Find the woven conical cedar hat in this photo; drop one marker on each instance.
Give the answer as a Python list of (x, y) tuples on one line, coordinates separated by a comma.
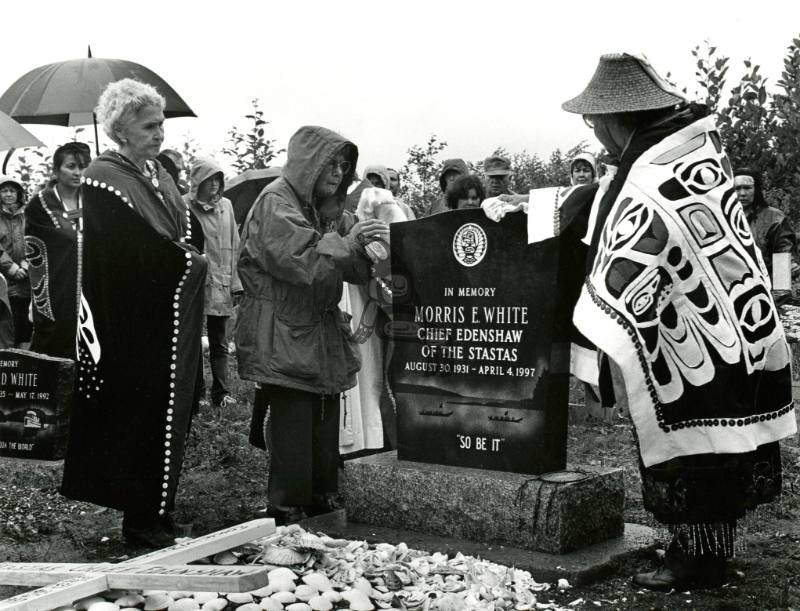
[(623, 83)]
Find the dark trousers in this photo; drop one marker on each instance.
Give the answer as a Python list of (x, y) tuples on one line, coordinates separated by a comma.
[(218, 356), (23, 328), (304, 445)]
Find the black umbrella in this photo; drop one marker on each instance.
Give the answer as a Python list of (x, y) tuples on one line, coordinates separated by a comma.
[(66, 93), (243, 189)]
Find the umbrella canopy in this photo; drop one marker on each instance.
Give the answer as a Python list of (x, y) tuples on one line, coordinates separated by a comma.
[(66, 93), (13, 135), (243, 189)]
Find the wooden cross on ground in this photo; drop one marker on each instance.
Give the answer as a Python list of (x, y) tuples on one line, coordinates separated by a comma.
[(162, 569)]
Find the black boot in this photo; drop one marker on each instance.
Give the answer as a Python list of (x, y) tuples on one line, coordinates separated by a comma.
[(323, 503), (286, 515), (682, 571), (145, 531), (677, 573)]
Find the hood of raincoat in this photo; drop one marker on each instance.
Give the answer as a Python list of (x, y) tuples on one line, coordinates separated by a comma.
[(203, 169), (458, 165), (5, 180), (310, 149), (381, 170), (588, 158)]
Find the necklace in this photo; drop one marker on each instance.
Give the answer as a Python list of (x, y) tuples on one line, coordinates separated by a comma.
[(73, 216)]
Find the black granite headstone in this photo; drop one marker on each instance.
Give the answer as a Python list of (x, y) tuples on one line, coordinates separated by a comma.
[(477, 379), (35, 404)]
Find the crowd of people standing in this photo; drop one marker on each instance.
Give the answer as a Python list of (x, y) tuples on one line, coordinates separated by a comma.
[(127, 263)]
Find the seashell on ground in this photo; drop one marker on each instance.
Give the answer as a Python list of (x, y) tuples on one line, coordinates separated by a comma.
[(218, 604), (204, 597), (320, 603), (362, 584), (357, 600), (184, 604), (239, 598), (305, 592), (298, 607), (319, 581), (103, 606), (262, 592), (268, 604), (310, 542), (285, 598), (84, 603), (332, 595), (281, 574), (113, 594), (130, 600), (283, 556), (282, 585), (225, 558), (157, 602)]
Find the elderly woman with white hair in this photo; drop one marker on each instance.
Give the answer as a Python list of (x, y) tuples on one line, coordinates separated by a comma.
[(140, 324)]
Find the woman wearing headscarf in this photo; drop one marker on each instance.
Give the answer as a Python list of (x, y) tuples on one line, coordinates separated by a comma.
[(583, 169), (140, 324), (53, 238), (770, 227), (677, 300)]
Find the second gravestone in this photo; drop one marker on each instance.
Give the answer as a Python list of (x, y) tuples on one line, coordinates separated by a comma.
[(35, 404)]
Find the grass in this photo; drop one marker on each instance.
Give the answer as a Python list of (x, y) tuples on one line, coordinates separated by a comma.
[(224, 481)]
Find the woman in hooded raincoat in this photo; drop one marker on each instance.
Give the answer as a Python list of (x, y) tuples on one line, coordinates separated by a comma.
[(223, 287), (13, 264), (298, 247)]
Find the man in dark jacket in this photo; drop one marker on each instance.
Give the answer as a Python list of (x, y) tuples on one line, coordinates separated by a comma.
[(497, 172), (298, 246)]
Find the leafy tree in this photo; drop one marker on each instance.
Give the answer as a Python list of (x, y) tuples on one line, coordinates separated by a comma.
[(531, 172), (419, 176), (189, 150), (251, 150), (759, 129), (32, 168)]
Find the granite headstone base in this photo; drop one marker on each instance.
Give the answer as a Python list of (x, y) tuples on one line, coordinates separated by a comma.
[(555, 513)]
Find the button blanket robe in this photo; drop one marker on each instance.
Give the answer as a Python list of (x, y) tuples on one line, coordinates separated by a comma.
[(139, 344), (677, 296)]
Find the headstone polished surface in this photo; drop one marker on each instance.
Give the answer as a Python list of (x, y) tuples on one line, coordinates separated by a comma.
[(555, 513), (480, 357), (35, 403)]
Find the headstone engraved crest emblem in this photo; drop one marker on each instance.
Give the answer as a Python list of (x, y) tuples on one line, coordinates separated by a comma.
[(469, 244)]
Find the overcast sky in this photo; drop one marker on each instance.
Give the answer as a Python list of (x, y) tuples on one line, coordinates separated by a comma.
[(388, 74)]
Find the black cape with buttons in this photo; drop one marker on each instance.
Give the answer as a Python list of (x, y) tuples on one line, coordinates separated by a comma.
[(139, 341)]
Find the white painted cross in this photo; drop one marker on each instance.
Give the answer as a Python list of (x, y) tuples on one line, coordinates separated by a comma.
[(162, 569)]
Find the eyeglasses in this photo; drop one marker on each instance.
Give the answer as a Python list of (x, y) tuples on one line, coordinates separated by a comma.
[(344, 166), (589, 121)]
